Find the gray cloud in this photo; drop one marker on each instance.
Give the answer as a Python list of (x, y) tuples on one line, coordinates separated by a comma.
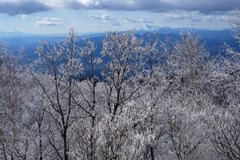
[(83, 4), (209, 6), (22, 7), (203, 6)]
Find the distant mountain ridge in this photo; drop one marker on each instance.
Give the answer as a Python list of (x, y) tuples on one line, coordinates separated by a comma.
[(22, 34), (213, 39), (204, 33), (225, 34)]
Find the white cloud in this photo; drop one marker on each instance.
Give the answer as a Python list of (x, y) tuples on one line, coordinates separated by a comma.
[(105, 18), (138, 20), (49, 21), (116, 21), (179, 16), (86, 2), (24, 16), (148, 27)]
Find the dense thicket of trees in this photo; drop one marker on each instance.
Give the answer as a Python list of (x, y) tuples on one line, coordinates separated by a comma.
[(135, 100)]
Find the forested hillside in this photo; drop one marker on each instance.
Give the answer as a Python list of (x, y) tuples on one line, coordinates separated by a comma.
[(151, 100)]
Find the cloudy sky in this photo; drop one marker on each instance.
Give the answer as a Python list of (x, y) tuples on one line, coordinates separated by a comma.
[(57, 16)]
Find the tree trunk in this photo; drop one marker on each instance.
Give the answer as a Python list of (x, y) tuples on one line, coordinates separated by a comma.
[(65, 145)]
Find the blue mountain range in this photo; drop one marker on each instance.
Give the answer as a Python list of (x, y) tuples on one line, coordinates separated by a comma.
[(212, 39)]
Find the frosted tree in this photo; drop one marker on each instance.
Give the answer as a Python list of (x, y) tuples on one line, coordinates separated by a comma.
[(188, 60), (86, 97), (36, 104), (62, 69), (121, 88), (152, 78), (16, 130), (122, 52), (236, 27), (187, 67), (222, 117)]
